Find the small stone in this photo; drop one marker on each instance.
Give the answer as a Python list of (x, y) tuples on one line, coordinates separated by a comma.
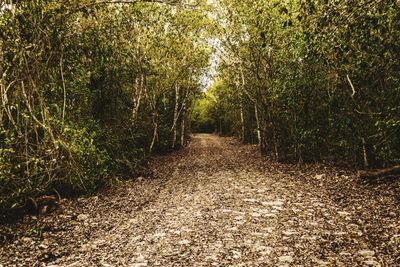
[(251, 200), (272, 203), (184, 242), (82, 217), (289, 232), (366, 253), (372, 263), (86, 247), (343, 213), (288, 259), (140, 261)]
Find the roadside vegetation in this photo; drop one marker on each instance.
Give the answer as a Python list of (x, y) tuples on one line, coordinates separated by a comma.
[(310, 80), (89, 89)]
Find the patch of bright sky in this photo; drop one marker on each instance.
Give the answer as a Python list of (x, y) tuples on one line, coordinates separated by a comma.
[(208, 78)]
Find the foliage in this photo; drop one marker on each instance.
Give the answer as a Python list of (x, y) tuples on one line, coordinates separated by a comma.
[(89, 89), (212, 112), (315, 79)]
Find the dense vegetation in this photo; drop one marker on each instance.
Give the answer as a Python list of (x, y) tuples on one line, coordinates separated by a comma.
[(90, 88), (312, 80)]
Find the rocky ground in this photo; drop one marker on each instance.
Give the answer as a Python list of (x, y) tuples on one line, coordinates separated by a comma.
[(217, 203)]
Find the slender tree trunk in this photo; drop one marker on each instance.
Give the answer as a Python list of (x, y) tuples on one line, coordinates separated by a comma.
[(275, 142), (2, 84), (137, 98), (139, 81), (183, 123), (258, 126), (153, 108), (63, 85), (155, 133), (176, 114), (365, 154), (183, 134), (274, 135), (243, 129), (243, 137)]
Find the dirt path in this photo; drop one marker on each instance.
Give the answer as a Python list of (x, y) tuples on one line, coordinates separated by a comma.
[(213, 204)]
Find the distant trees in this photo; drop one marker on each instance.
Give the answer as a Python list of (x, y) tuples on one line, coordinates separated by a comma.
[(314, 79), (214, 111), (89, 89)]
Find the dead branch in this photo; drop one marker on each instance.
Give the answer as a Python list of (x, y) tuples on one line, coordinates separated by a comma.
[(352, 87), (369, 174)]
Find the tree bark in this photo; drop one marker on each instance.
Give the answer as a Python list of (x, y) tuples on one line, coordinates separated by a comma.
[(136, 98), (176, 114), (2, 84), (183, 126), (365, 155), (153, 106), (395, 170), (155, 134), (242, 122), (63, 86), (259, 137)]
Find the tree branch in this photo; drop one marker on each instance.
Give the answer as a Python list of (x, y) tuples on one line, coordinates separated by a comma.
[(129, 2), (352, 87)]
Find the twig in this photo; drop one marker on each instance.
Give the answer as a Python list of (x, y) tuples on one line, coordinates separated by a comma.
[(63, 84), (352, 86)]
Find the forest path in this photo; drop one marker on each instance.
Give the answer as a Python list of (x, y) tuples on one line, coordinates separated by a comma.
[(213, 204)]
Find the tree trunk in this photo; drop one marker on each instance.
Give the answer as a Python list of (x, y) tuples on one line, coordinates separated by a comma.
[(2, 84), (365, 155), (243, 137), (136, 98), (176, 114), (379, 173), (63, 85), (153, 108), (259, 130), (243, 129), (183, 123), (155, 134), (275, 141), (274, 135)]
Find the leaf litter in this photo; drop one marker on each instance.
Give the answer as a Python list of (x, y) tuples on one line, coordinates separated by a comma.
[(218, 203)]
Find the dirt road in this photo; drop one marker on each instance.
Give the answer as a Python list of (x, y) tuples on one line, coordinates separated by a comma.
[(216, 203)]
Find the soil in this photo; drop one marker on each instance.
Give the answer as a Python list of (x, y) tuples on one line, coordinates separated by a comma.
[(218, 203)]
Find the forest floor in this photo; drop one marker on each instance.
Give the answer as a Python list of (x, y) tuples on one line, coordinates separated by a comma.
[(217, 203)]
